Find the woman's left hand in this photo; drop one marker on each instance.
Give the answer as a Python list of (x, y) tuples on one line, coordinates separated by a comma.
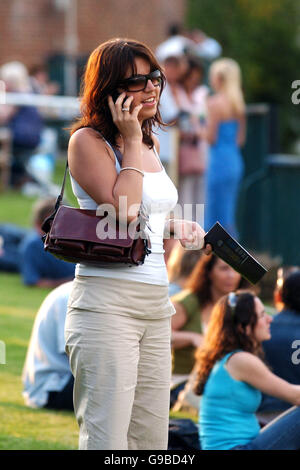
[(190, 235)]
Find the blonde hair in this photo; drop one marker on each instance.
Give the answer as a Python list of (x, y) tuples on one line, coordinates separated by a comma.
[(229, 72), (15, 75)]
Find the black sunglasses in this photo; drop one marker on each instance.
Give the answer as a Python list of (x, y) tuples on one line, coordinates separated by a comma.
[(139, 82)]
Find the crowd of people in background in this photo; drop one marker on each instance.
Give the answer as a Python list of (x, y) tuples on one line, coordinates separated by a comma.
[(209, 327), (221, 335), (202, 104), (33, 144), (204, 99), (199, 147)]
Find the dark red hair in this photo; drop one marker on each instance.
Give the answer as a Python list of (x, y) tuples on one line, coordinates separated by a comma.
[(106, 67)]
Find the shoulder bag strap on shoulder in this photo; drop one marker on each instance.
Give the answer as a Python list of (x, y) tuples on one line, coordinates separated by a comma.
[(118, 156)]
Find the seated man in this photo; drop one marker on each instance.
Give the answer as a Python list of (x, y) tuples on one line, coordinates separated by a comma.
[(11, 237), (282, 351), (47, 378), (39, 268)]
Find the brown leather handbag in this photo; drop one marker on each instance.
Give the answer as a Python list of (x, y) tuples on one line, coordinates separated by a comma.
[(71, 235)]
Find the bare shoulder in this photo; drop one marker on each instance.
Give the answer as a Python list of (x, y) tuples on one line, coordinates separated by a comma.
[(222, 103), (242, 358), (92, 164), (214, 104), (85, 138), (87, 144), (213, 101), (242, 365)]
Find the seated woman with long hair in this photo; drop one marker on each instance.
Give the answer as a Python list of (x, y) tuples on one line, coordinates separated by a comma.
[(231, 376), (210, 279)]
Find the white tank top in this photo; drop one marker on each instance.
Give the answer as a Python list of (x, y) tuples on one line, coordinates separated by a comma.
[(159, 198)]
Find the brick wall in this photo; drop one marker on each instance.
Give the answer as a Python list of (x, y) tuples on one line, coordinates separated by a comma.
[(31, 30)]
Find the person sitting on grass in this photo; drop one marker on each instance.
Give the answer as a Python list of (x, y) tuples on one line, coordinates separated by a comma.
[(37, 267), (210, 279), (47, 378), (231, 376), (283, 350)]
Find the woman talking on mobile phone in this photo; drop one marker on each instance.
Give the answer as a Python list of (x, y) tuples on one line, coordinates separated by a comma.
[(118, 319)]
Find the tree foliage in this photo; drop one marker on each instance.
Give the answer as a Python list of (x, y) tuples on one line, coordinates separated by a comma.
[(263, 36)]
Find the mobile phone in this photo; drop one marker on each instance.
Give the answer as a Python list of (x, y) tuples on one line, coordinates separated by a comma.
[(115, 95), (230, 251)]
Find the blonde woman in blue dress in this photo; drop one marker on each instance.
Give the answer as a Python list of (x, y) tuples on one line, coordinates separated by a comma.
[(225, 132)]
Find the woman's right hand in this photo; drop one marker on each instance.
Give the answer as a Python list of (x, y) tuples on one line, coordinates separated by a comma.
[(126, 121)]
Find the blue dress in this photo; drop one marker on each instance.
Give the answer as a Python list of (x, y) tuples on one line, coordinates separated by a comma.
[(223, 176)]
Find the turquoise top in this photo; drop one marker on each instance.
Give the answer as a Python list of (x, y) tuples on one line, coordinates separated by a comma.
[(227, 410)]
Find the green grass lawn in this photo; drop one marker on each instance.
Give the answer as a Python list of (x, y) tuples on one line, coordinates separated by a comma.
[(23, 428), (16, 208)]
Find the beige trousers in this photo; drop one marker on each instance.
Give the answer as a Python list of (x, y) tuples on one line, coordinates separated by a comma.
[(121, 363)]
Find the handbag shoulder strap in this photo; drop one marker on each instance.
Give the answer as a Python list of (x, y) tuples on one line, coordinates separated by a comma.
[(118, 157), (61, 194), (117, 153)]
